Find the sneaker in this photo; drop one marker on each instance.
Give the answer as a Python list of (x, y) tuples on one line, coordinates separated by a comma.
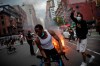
[(83, 64), (91, 59)]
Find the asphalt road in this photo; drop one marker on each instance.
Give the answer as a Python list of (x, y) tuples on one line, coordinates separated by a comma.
[(22, 55)]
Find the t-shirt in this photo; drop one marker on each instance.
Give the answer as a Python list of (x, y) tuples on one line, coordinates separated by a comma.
[(29, 36)]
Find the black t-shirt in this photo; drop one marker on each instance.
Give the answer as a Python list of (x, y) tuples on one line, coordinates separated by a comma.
[(29, 36), (81, 27)]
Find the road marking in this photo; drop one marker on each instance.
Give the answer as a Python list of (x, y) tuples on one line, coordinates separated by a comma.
[(37, 51), (94, 38), (95, 35), (87, 49), (94, 51)]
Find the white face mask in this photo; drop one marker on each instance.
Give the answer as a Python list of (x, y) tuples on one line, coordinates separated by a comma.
[(78, 18)]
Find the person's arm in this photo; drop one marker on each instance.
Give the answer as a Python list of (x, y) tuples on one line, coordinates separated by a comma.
[(57, 38), (40, 48), (72, 16)]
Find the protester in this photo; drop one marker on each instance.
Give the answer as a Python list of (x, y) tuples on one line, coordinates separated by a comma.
[(29, 38), (81, 32), (44, 43)]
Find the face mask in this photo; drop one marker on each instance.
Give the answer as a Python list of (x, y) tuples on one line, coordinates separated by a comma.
[(78, 18), (42, 34)]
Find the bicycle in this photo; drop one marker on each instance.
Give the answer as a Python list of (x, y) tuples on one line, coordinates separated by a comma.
[(11, 49), (42, 62)]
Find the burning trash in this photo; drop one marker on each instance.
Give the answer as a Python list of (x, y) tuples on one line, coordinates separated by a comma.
[(56, 42)]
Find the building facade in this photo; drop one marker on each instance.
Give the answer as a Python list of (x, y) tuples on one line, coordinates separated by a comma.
[(31, 16), (8, 20), (22, 19), (48, 17), (86, 7)]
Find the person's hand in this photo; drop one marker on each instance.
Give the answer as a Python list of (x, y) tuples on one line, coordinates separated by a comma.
[(79, 40)]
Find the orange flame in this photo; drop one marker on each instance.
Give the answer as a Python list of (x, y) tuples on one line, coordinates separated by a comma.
[(55, 43)]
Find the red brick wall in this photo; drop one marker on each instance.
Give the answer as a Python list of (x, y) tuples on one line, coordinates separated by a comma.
[(86, 10), (7, 22)]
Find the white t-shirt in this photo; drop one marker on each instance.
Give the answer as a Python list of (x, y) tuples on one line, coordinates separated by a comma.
[(47, 43)]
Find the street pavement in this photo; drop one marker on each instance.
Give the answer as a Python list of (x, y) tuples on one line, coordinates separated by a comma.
[(22, 55)]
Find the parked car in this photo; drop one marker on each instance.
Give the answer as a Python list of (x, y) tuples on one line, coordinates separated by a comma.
[(66, 34)]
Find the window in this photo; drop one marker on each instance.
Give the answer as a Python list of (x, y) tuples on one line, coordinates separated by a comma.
[(98, 2)]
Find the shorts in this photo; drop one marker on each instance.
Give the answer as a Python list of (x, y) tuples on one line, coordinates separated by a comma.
[(52, 53), (82, 45)]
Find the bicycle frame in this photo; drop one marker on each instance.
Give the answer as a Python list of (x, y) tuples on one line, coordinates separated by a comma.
[(43, 62)]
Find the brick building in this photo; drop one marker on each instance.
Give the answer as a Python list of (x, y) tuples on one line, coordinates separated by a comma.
[(8, 20), (87, 7)]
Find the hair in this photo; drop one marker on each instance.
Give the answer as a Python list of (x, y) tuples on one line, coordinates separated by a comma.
[(39, 26), (78, 13), (29, 31)]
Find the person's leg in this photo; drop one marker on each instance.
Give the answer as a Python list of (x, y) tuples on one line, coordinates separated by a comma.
[(78, 46), (84, 56), (47, 60), (31, 48), (63, 55), (82, 49), (55, 56), (90, 56), (73, 37), (69, 37)]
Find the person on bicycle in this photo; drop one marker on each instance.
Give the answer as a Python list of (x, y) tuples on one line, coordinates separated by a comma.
[(44, 43)]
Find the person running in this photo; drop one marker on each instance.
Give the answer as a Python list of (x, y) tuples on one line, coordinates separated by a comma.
[(81, 32), (44, 43), (29, 38)]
